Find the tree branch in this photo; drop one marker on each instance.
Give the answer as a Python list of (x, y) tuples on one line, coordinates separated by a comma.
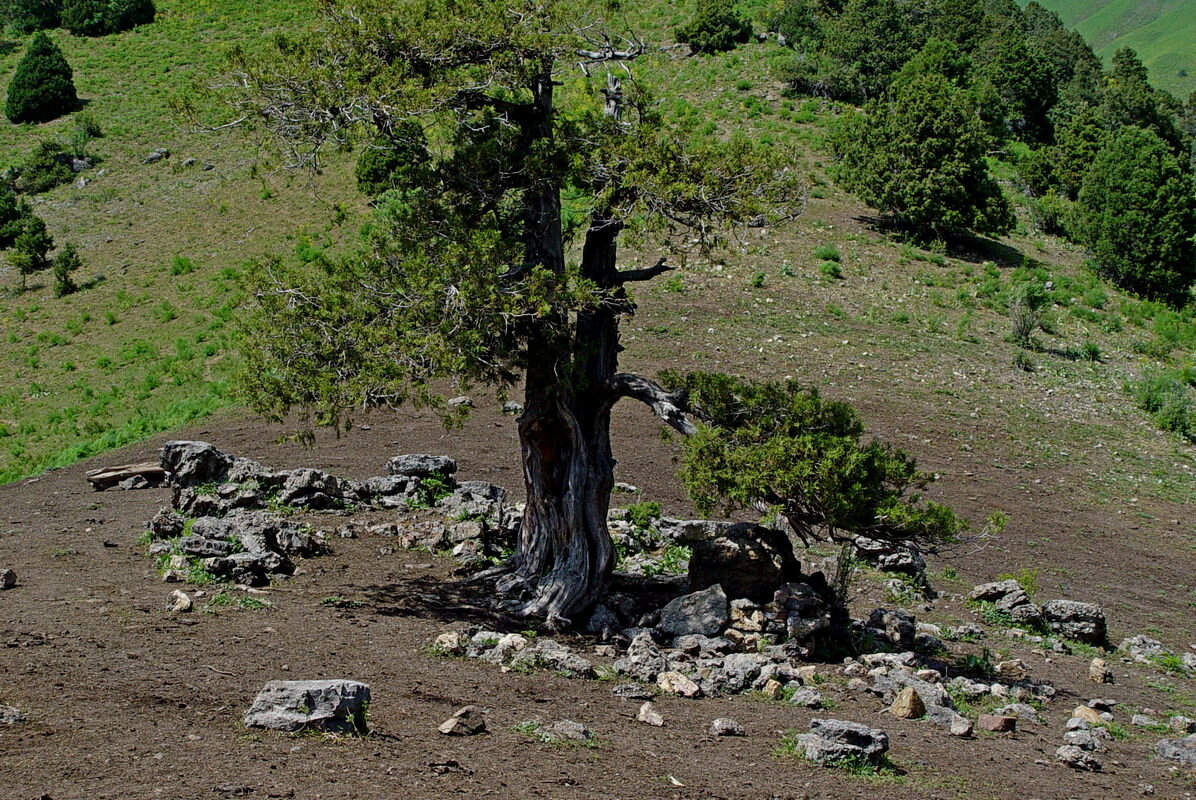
[(669, 407), (645, 274)]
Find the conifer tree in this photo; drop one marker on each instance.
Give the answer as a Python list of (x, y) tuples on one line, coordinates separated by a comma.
[(42, 87), (31, 248), (470, 275), (66, 262)]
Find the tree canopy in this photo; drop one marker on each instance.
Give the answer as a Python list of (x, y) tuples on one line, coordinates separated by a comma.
[(42, 87)]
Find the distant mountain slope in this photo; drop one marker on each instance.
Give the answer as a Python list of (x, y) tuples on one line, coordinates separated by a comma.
[(1163, 32)]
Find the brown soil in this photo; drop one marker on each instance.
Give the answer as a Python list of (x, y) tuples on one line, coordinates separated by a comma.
[(126, 701)]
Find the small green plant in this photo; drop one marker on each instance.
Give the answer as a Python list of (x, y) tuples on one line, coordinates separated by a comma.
[(827, 252), (950, 574), (758, 280), (642, 514), (1090, 351), (674, 283), (1026, 578), (831, 269), (979, 666), (180, 265), (1171, 664), (1023, 361)]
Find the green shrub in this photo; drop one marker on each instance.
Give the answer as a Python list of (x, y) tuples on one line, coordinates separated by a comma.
[(643, 513), (42, 88), (781, 444), (30, 249), (27, 16), (1169, 396), (66, 262), (1136, 213), (13, 211), (714, 27), (831, 269), (827, 252), (85, 17), (393, 161), (122, 15), (49, 165)]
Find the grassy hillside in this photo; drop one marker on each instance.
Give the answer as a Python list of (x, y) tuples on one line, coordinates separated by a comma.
[(919, 339), (1161, 31)]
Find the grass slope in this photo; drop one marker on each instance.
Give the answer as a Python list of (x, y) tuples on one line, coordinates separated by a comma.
[(1161, 31)]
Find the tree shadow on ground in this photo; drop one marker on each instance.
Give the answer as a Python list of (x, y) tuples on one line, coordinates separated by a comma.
[(961, 245)]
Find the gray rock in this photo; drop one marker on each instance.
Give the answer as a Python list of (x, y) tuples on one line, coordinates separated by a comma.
[(1181, 750), (968, 630), (691, 531), (632, 691), (167, 524), (695, 644), (1143, 649), (312, 488), (643, 661), (10, 715), (460, 401), (156, 155), (895, 626), (806, 697), (1182, 724), (466, 721), (205, 548), (950, 719), (992, 592), (1077, 758), (421, 466), (832, 739), (705, 612), (739, 671), (748, 561), (551, 655), (1084, 622), (192, 463), (565, 730), (335, 706), (1143, 721), (261, 532), (603, 621), (888, 685), (725, 726), (1012, 600), (389, 486), (1085, 740), (891, 556), (1023, 711), (8, 579), (512, 407), (1027, 614)]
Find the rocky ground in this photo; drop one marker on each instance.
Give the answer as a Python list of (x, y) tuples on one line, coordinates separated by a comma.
[(124, 678)]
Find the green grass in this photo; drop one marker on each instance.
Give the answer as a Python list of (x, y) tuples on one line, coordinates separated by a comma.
[(1161, 31)]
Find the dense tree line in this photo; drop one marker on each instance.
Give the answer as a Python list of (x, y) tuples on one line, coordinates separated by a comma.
[(80, 17), (943, 83)]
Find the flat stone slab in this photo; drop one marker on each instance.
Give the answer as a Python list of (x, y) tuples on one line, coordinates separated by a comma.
[(333, 706)]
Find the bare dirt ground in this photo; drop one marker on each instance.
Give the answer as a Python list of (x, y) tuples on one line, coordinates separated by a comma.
[(127, 701)]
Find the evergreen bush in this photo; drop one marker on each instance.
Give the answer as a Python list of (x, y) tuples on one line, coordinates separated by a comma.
[(715, 27), (66, 262), (27, 16), (42, 88)]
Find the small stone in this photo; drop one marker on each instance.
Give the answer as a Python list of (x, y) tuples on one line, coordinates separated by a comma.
[(632, 691), (1181, 750), (961, 727), (996, 723), (1014, 670), (460, 402), (772, 689), (1089, 715), (466, 721), (1099, 672), (648, 715), (1143, 721), (1077, 758), (10, 715), (565, 730), (511, 407), (8, 579), (450, 644), (180, 603), (725, 726), (678, 684), (908, 704), (806, 697), (1182, 724)]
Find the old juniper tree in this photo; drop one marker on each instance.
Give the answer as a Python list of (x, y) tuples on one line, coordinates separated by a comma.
[(475, 271)]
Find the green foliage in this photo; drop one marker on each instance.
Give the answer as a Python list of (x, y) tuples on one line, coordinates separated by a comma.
[(1136, 212), (66, 262), (831, 269), (1026, 577), (919, 158), (781, 443), (1169, 396), (49, 165), (394, 161), (827, 252), (100, 17), (714, 27), (643, 514), (85, 17), (42, 87), (31, 248), (27, 16), (13, 211)]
